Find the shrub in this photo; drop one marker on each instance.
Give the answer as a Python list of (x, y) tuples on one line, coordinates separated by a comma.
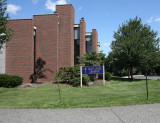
[(71, 75), (107, 76), (85, 79), (10, 81), (39, 70)]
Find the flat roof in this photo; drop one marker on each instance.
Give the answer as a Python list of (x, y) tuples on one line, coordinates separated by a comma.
[(20, 19), (88, 33), (76, 25)]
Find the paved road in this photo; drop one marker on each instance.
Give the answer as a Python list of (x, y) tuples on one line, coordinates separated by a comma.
[(124, 114), (143, 77)]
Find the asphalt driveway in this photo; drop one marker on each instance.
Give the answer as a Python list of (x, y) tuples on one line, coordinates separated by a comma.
[(149, 113), (143, 77)]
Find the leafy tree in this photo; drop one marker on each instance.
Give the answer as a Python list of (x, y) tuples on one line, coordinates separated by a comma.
[(149, 57), (157, 69), (5, 33), (135, 45), (39, 70)]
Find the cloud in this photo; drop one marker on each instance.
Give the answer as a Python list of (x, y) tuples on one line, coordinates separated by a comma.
[(52, 5), (157, 19), (35, 1), (80, 8), (153, 19), (12, 9), (150, 20), (107, 44)]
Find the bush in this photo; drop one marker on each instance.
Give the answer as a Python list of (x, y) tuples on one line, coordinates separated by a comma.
[(85, 79), (107, 76), (10, 81), (71, 75)]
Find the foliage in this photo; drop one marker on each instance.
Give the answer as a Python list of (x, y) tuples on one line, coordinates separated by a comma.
[(112, 66), (92, 59), (107, 76), (156, 70), (149, 54), (71, 75), (135, 45), (10, 81), (39, 70), (108, 62), (5, 33)]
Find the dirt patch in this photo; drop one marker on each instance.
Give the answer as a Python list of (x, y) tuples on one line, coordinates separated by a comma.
[(96, 82), (41, 84), (54, 84)]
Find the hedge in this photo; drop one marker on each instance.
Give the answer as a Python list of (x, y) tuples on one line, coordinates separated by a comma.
[(9, 81), (71, 75)]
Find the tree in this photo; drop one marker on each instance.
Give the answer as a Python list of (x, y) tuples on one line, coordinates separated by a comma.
[(39, 70), (92, 59), (134, 42), (149, 57), (5, 33)]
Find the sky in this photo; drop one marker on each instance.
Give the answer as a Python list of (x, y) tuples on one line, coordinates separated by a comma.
[(104, 15)]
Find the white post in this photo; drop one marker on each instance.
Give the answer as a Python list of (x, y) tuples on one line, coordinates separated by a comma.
[(103, 75), (81, 75)]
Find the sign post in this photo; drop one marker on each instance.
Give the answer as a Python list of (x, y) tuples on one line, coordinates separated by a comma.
[(81, 75), (103, 75)]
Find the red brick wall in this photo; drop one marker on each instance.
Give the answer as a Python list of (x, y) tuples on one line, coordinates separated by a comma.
[(82, 37), (94, 40), (19, 51), (50, 38), (66, 34), (46, 42)]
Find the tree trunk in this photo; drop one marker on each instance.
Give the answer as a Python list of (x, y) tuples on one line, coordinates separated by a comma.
[(146, 85), (129, 73)]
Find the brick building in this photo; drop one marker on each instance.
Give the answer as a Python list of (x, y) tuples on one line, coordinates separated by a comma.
[(53, 37)]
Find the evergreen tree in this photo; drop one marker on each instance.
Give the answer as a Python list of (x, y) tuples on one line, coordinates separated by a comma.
[(92, 59)]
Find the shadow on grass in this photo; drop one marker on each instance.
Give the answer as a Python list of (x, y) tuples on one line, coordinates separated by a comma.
[(116, 78), (59, 82)]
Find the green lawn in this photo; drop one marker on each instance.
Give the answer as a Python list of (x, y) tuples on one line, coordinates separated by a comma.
[(117, 92)]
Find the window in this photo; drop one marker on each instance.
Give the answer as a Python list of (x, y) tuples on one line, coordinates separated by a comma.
[(89, 43), (88, 38), (76, 33), (76, 44)]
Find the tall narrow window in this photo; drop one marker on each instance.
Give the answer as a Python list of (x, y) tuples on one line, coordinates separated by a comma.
[(34, 55), (88, 43), (76, 33), (76, 44)]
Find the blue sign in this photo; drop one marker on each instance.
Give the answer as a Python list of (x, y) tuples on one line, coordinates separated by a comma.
[(92, 70)]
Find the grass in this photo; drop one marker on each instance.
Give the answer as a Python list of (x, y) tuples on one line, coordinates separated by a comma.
[(117, 92)]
